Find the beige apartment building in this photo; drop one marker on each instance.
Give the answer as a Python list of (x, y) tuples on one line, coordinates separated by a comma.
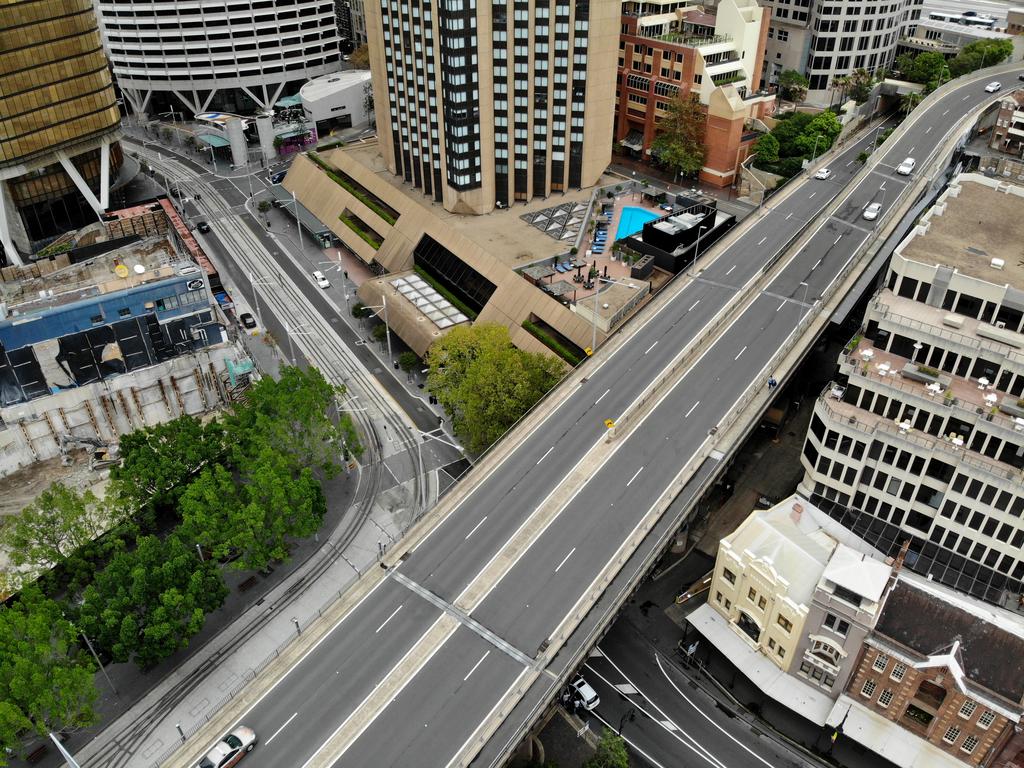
[(492, 104)]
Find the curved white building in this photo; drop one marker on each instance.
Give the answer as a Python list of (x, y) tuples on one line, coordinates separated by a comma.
[(230, 55)]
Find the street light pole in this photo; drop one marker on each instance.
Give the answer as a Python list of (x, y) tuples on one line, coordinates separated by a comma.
[(92, 650)]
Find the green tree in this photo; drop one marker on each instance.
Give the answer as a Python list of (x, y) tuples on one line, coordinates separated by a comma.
[(292, 414), (360, 57), (793, 85), (46, 681), (408, 361), (927, 68), (767, 148), (909, 101), (147, 603), (679, 145), (158, 462), (254, 516), (818, 135), (57, 523), (611, 752), (379, 332), (979, 54), (859, 86), (484, 383)]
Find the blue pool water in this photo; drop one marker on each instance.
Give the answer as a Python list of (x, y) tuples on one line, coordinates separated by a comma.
[(632, 221)]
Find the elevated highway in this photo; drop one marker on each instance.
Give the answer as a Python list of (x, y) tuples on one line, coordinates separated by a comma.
[(448, 653)]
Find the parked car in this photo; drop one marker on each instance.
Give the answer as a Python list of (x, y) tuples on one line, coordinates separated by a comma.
[(321, 279), (993, 87), (823, 173), (278, 177), (203, 227), (247, 320), (584, 693), (906, 167), (230, 749), (872, 210)]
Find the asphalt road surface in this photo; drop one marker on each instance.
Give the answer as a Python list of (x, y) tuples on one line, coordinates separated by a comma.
[(461, 677)]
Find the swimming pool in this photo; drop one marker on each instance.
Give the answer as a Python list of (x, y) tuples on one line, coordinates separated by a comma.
[(632, 220)]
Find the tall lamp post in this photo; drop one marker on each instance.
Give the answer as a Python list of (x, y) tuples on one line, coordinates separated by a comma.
[(382, 310)]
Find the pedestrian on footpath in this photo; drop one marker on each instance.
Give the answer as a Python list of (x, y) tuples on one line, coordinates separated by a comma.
[(772, 383)]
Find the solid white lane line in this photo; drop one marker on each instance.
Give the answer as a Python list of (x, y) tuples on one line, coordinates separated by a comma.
[(730, 269), (546, 453), (602, 396), (267, 742), (965, 98), (634, 477), (740, 353), (693, 305), (564, 559), (851, 162), (928, 130), (816, 265), (632, 746), (759, 242), (389, 618), (484, 519), (789, 217), (945, 113), (913, 148), (780, 306), (703, 714), (691, 408), (836, 241), (650, 347), (486, 654), (811, 195)]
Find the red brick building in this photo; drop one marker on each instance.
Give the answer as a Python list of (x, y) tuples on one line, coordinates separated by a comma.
[(717, 58)]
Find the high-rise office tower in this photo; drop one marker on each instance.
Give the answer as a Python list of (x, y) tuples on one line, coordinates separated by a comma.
[(58, 122), (213, 55), (483, 104)]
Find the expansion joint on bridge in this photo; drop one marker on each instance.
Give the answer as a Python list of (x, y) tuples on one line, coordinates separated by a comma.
[(464, 618)]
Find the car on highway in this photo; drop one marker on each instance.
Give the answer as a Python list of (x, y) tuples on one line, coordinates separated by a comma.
[(247, 320), (906, 167), (584, 693), (230, 749), (823, 173), (993, 87), (321, 279), (203, 227), (872, 210)]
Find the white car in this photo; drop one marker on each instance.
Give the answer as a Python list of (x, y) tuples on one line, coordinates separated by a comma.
[(872, 210), (321, 279), (906, 167), (824, 173), (584, 693), (230, 749), (993, 86)]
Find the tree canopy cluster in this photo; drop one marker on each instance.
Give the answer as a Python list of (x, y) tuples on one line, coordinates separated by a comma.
[(485, 383), (798, 136), (980, 54), (139, 571)]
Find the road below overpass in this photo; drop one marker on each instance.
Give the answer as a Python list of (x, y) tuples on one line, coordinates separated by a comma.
[(460, 628)]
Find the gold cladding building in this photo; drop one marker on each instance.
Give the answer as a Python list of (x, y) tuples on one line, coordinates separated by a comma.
[(59, 122)]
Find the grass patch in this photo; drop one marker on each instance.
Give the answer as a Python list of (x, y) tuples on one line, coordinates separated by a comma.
[(356, 191), (355, 225), (456, 302), (928, 371), (549, 341)]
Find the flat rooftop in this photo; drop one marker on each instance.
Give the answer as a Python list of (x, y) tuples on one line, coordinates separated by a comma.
[(134, 264), (502, 233), (979, 225)]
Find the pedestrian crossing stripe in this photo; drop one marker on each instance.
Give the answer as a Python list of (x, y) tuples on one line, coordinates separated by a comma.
[(626, 689)]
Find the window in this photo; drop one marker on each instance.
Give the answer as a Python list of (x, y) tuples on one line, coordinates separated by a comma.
[(967, 710), (868, 690), (952, 734), (987, 718), (826, 652), (805, 667), (781, 652), (898, 672), (970, 744), (761, 603), (718, 597), (751, 594), (771, 642), (881, 662), (837, 625), (885, 698), (785, 623), (728, 575)]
